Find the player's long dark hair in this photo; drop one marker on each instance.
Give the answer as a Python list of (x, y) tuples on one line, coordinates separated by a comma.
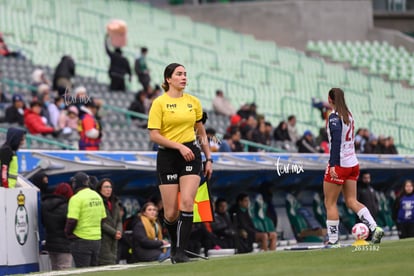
[(338, 99)]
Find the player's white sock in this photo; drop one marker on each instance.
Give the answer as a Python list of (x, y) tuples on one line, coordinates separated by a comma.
[(365, 216), (332, 227)]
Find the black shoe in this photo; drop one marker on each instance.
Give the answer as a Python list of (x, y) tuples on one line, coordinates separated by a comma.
[(179, 257)]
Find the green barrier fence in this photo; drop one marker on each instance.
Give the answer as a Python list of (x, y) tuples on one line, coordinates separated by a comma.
[(30, 138)]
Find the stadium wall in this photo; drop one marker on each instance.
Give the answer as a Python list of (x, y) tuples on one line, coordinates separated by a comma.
[(393, 37), (401, 21), (289, 23)]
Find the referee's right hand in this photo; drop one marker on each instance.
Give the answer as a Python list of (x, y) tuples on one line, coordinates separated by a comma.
[(187, 153)]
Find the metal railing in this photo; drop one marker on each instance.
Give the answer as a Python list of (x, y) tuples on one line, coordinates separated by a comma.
[(286, 113), (227, 83), (321, 84), (128, 113), (268, 69), (102, 16), (95, 70), (399, 127), (27, 52), (30, 138), (399, 105), (246, 144), (191, 47), (59, 35), (12, 84)]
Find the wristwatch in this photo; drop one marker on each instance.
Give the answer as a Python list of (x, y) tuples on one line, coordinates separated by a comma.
[(209, 159)]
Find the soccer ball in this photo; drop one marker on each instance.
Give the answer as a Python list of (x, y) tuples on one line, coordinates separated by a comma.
[(360, 231)]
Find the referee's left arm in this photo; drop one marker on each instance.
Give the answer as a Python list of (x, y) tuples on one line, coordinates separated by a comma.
[(202, 137)]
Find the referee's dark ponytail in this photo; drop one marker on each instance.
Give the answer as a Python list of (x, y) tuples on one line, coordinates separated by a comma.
[(169, 70)]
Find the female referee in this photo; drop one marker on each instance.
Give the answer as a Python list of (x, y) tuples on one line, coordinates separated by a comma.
[(174, 123), (343, 169)]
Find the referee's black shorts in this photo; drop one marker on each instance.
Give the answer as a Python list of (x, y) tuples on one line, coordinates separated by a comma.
[(171, 165)]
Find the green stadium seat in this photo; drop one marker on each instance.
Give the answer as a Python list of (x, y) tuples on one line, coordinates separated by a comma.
[(299, 225), (87, 19)]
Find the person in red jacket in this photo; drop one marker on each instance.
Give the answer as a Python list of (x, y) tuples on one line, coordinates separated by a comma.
[(5, 51), (89, 128), (34, 122)]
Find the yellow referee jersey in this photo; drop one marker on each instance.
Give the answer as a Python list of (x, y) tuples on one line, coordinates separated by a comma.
[(175, 117)]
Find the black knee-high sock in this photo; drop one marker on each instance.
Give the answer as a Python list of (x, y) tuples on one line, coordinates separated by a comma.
[(172, 231), (185, 223)]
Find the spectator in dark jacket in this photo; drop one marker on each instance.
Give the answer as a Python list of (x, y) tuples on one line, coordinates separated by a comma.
[(15, 112), (148, 241), (403, 211), (281, 132), (64, 71), (3, 99), (118, 68), (142, 70), (54, 209), (245, 225), (111, 226), (366, 194), (41, 180), (8, 156), (138, 105), (222, 226), (307, 143), (258, 136)]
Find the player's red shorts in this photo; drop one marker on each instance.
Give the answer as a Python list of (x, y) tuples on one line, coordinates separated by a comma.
[(351, 173)]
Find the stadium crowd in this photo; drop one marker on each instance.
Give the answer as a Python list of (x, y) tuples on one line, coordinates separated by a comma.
[(60, 110)]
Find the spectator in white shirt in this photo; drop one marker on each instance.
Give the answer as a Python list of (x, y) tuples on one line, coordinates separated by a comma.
[(221, 105)]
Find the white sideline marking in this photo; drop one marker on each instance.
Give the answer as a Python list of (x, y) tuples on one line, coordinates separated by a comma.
[(91, 269)]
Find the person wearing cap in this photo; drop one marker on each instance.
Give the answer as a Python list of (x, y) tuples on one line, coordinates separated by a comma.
[(54, 208), (307, 144), (89, 127), (15, 112), (86, 212), (15, 138)]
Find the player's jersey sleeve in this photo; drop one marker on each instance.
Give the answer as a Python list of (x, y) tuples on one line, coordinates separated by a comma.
[(198, 109), (155, 115), (335, 134)]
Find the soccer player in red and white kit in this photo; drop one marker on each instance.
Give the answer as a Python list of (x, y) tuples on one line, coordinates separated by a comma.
[(342, 171)]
